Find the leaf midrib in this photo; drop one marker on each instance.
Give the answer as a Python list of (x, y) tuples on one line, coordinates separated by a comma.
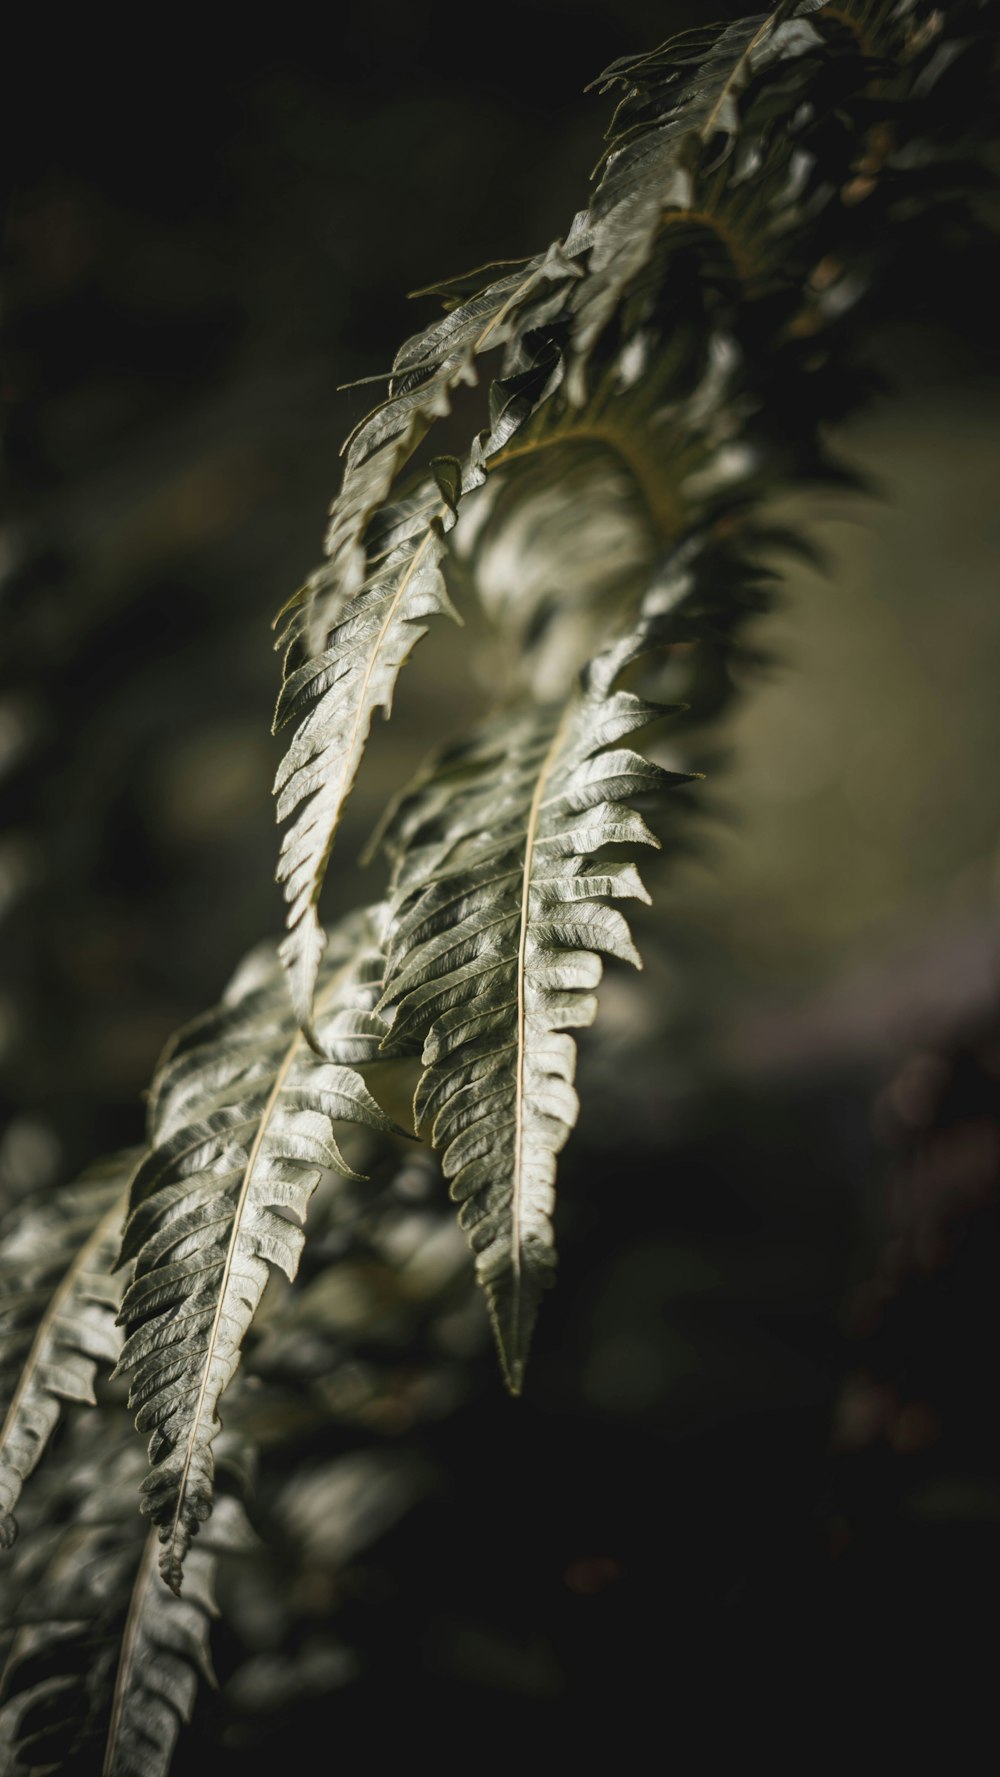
[(265, 1118), (531, 828), (213, 1335), (130, 1639)]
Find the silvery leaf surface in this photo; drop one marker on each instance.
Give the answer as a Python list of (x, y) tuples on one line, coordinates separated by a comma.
[(242, 1127), (59, 1296), (500, 915)]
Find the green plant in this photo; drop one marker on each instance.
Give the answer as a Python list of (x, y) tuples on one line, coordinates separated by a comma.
[(661, 371)]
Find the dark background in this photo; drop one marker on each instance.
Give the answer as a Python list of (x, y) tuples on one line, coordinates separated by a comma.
[(756, 1455)]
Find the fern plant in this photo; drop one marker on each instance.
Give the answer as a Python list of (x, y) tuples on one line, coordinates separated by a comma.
[(646, 384)]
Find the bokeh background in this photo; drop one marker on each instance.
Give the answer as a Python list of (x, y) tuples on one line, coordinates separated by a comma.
[(759, 1436)]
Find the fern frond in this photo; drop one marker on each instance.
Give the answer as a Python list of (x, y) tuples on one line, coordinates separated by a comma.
[(672, 174), (105, 1660), (499, 917), (681, 88), (242, 1129), (349, 632), (334, 694), (60, 1296)]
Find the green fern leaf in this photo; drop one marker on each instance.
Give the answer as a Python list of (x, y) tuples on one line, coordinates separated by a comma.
[(670, 93), (352, 627), (164, 1652), (57, 1323), (499, 917), (241, 1132), (349, 632), (105, 1661), (337, 693)]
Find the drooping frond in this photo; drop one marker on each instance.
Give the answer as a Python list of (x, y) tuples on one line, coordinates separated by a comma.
[(59, 1296), (424, 373), (499, 919), (105, 1661), (674, 91), (335, 694), (349, 632), (721, 182), (242, 1128)]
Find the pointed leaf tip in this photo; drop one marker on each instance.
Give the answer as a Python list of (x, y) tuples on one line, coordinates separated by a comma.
[(500, 917)]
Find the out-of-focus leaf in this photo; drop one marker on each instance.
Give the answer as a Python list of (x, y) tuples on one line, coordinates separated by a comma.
[(60, 1296)]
